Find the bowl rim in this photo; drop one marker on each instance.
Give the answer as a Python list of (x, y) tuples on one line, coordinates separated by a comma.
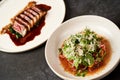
[(61, 76)]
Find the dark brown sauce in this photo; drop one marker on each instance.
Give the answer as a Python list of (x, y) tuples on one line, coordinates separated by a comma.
[(43, 7), (35, 31), (29, 36), (69, 68)]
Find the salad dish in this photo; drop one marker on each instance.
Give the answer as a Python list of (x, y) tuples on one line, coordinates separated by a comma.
[(84, 48), (84, 53)]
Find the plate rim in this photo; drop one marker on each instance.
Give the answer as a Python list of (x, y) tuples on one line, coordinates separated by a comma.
[(44, 40)]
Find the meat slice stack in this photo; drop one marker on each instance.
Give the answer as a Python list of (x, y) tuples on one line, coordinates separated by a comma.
[(27, 18)]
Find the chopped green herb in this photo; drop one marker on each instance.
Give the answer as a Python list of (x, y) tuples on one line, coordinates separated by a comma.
[(83, 49)]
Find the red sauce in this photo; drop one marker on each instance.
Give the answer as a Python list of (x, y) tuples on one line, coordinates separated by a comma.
[(105, 60), (69, 68), (66, 64), (35, 31)]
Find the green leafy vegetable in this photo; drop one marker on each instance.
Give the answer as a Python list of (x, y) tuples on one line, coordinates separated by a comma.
[(83, 49), (79, 73), (15, 33)]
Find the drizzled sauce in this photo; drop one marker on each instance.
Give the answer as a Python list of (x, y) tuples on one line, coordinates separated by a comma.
[(35, 31)]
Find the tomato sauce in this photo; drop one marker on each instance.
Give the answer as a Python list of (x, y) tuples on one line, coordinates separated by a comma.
[(69, 68), (67, 64)]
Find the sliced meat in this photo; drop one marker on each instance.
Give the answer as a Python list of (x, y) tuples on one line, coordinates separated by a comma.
[(23, 21), (31, 21), (27, 18), (31, 16), (36, 9), (19, 28), (34, 13), (39, 11)]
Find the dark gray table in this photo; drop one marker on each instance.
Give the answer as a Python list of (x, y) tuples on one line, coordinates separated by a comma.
[(31, 65)]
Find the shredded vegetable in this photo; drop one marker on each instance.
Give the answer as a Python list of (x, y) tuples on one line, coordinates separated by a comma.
[(83, 49)]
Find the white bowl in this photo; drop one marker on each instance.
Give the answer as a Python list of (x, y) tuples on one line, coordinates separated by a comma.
[(98, 24)]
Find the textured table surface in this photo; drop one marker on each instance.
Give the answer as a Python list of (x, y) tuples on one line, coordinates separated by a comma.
[(31, 65)]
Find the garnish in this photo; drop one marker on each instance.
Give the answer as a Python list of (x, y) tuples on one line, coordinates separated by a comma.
[(84, 49)]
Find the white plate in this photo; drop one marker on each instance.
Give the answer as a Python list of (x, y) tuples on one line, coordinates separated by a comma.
[(1, 2), (53, 19), (98, 24)]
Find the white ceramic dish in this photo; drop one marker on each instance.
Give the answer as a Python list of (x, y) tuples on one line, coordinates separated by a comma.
[(1, 2), (98, 24), (53, 19)]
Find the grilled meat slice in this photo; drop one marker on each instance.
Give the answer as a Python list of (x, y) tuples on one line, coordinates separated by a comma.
[(25, 20), (20, 28)]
